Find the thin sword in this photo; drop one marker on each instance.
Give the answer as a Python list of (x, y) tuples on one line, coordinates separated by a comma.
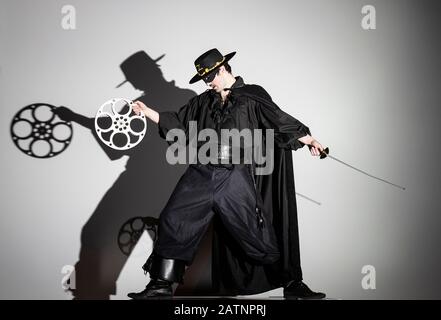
[(325, 153)]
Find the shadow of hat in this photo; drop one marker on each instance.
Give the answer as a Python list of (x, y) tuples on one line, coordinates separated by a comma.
[(131, 66)]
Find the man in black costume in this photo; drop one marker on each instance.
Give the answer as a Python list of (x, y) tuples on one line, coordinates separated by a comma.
[(256, 243)]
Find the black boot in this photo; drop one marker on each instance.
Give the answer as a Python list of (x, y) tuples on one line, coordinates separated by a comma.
[(299, 290), (155, 289), (163, 272)]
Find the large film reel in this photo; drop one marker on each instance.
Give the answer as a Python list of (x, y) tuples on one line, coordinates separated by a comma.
[(38, 132), (122, 129)]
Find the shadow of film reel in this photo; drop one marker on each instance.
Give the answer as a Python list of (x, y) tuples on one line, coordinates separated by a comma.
[(122, 129), (38, 132), (132, 230)]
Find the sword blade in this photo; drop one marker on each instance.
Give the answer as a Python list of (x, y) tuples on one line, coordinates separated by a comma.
[(364, 172)]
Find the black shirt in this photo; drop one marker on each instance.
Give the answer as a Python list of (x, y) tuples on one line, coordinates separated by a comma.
[(246, 107)]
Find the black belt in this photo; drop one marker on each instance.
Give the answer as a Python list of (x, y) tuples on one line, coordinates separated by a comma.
[(224, 156)]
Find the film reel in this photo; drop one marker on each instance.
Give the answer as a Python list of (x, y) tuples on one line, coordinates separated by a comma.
[(38, 132), (132, 230), (121, 130)]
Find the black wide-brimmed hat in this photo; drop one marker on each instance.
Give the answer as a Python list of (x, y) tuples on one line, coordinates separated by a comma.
[(209, 62)]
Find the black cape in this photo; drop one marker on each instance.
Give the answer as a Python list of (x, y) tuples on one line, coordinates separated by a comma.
[(232, 274), (231, 271)]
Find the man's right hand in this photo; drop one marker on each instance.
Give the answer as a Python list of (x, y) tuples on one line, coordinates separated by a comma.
[(139, 107)]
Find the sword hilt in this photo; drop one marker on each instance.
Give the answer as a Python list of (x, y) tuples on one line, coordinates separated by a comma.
[(324, 153)]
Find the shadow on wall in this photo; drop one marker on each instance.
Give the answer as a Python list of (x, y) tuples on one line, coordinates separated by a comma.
[(142, 189)]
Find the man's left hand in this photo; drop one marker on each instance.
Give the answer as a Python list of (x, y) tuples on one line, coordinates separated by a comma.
[(315, 148)]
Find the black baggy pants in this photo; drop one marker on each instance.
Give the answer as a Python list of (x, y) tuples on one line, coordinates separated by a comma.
[(201, 192)]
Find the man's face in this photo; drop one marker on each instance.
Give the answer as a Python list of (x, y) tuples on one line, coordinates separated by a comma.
[(218, 83)]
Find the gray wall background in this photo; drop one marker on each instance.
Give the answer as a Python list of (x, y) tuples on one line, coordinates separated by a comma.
[(371, 96)]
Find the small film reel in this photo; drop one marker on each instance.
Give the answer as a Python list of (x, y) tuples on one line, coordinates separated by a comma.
[(117, 125), (38, 132), (133, 229)]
